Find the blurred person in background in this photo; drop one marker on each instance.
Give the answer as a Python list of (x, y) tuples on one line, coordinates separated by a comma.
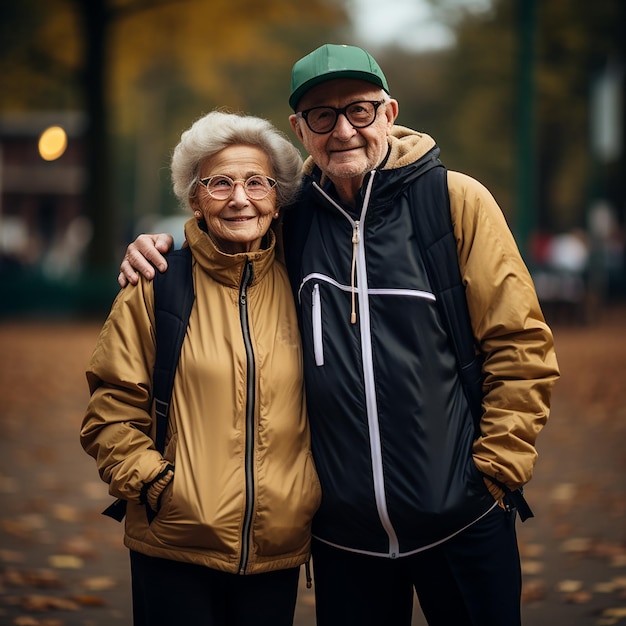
[(413, 496), (219, 524)]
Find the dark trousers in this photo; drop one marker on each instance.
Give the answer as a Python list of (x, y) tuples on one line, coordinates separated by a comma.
[(473, 579), (168, 593)]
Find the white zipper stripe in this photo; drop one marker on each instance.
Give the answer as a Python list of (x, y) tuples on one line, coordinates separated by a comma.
[(383, 291), (370, 393)]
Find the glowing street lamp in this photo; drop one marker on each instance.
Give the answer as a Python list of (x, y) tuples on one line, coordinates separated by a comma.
[(52, 143)]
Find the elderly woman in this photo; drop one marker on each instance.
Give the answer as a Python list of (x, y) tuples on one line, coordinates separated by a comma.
[(217, 525)]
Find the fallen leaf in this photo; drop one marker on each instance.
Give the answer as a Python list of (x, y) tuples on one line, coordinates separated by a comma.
[(14, 578), (65, 561), (531, 550), (569, 586), (618, 560), (11, 556), (8, 485), (533, 591), (565, 492), (36, 602), (95, 490), (99, 583), (532, 567), (65, 513), (88, 600), (578, 597), (618, 612), (27, 620), (42, 579), (79, 546), (576, 545)]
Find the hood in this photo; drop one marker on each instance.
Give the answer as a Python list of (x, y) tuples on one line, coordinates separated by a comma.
[(410, 154)]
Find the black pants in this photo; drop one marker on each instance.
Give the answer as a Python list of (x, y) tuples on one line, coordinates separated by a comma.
[(473, 579), (169, 593)]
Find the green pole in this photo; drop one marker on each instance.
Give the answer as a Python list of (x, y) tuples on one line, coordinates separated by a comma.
[(526, 156)]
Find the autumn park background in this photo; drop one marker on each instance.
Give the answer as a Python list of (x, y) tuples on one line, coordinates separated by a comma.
[(525, 95)]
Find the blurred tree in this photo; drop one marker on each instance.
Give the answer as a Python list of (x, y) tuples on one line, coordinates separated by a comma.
[(469, 98), (147, 68), (168, 61)]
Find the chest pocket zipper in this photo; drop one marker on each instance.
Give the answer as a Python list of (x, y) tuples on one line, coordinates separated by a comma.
[(316, 313)]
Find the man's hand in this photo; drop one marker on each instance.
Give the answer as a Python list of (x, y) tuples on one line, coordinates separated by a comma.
[(139, 254)]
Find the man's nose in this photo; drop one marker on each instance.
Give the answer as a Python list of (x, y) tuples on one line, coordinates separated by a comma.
[(343, 128)]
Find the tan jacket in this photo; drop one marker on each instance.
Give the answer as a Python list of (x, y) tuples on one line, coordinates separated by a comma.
[(205, 509), (504, 310), (521, 366)]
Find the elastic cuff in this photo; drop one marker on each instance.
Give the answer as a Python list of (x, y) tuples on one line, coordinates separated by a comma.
[(151, 492), (494, 490)]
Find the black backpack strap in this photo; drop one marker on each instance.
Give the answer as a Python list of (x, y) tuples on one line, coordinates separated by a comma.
[(430, 208), (295, 230), (430, 211), (173, 300)]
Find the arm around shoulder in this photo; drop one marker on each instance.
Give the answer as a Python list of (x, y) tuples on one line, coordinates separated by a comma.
[(142, 256)]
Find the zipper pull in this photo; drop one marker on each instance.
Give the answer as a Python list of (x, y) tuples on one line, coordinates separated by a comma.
[(356, 237), (356, 233)]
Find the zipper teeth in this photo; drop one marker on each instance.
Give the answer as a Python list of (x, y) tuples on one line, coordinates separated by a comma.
[(251, 375), (371, 399), (372, 408)]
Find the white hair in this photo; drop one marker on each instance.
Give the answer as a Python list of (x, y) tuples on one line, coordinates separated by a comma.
[(218, 130)]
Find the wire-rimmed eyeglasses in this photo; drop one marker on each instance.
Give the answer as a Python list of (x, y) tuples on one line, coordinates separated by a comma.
[(221, 187), (360, 114)]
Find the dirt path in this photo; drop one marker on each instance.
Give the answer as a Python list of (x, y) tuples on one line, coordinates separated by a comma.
[(63, 564)]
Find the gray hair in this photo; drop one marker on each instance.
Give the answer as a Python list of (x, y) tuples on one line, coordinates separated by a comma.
[(218, 130)]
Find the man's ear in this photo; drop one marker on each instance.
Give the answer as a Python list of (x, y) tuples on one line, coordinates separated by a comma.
[(392, 108), (295, 125)]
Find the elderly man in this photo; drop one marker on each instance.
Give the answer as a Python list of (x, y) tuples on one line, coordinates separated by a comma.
[(416, 496)]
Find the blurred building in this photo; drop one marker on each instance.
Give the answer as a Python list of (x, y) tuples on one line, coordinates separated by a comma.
[(42, 179)]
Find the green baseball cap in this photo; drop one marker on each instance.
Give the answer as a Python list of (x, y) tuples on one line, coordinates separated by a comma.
[(332, 61)]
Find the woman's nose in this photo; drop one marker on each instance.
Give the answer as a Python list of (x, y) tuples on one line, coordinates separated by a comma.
[(239, 193)]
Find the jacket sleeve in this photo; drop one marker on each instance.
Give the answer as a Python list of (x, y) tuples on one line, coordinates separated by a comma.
[(520, 363), (116, 429)]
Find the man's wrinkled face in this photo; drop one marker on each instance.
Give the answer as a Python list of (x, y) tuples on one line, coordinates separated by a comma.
[(346, 152)]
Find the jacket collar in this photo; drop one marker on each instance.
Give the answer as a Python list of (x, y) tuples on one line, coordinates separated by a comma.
[(227, 268)]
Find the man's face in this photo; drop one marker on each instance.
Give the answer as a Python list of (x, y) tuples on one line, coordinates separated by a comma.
[(346, 152)]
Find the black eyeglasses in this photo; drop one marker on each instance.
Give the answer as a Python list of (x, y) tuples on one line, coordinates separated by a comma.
[(323, 119), (221, 187)]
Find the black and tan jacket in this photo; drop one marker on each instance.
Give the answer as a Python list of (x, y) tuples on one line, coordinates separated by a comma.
[(244, 487), (393, 439)]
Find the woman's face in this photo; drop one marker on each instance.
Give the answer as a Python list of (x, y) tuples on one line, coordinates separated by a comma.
[(238, 223)]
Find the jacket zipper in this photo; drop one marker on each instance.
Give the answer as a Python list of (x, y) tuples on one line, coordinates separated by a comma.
[(359, 271), (250, 402)]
